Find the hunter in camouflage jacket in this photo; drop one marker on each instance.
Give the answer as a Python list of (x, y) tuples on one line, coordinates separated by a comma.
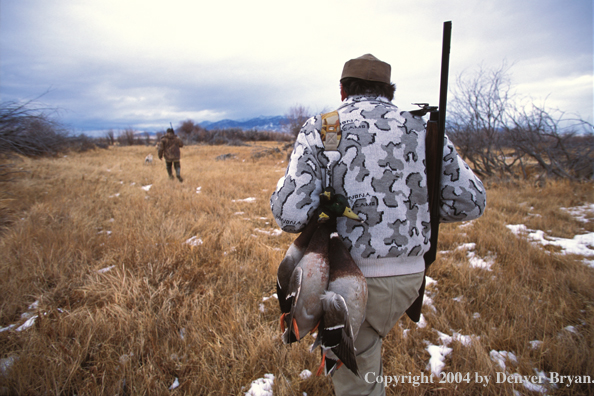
[(379, 166), (169, 146)]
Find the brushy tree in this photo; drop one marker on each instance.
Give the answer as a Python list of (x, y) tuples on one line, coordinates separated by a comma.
[(110, 137), (498, 132), (295, 119), (128, 137), (29, 130)]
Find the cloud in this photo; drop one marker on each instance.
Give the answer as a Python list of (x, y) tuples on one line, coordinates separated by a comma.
[(115, 64)]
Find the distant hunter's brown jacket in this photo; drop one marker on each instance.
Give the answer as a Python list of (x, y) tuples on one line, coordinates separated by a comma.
[(169, 147)]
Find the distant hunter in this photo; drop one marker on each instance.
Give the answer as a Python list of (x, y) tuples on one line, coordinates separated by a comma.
[(169, 147)]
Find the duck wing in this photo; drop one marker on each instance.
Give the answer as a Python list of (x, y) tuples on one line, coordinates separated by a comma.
[(291, 331), (336, 334), (292, 257)]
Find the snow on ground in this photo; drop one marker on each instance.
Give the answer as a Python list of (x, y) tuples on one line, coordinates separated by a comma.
[(582, 244), (194, 241), (106, 269), (437, 360), (305, 374), (274, 232), (504, 360), (474, 260), (251, 199), (582, 213), (175, 384), (261, 386)]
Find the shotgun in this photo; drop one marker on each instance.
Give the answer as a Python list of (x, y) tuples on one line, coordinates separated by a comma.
[(434, 158)]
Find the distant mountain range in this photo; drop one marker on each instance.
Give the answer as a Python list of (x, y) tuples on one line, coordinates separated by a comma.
[(274, 123)]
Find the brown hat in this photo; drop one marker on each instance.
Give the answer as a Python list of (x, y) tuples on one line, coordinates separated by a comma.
[(367, 67)]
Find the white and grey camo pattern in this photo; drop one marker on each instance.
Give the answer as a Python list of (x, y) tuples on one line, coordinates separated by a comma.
[(380, 167)]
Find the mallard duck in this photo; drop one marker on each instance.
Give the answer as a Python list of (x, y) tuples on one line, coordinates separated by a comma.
[(300, 283), (308, 282), (343, 304), (292, 257)]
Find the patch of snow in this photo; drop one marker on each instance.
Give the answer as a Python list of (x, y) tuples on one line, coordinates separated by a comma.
[(422, 323), (305, 374), (501, 357), (251, 199), (465, 340), (429, 281), (571, 329), (106, 269), (477, 262), (261, 386), (30, 322), (6, 364), (276, 232), (582, 245), (175, 384), (9, 327), (535, 344), (147, 187), (467, 246), (194, 241), (581, 212), (466, 224), (437, 361)]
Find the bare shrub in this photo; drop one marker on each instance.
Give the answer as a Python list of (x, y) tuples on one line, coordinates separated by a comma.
[(295, 119), (28, 130), (128, 137), (110, 137), (502, 134)]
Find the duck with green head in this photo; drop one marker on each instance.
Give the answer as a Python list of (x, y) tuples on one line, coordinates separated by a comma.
[(303, 275)]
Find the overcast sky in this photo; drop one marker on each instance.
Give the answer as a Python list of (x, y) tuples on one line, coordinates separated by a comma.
[(142, 64)]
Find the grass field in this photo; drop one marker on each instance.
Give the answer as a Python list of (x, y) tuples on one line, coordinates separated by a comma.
[(116, 280)]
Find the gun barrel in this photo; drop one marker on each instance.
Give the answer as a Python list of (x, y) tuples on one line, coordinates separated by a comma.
[(445, 68)]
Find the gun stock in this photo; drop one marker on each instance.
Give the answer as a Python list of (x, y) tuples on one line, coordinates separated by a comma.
[(434, 158)]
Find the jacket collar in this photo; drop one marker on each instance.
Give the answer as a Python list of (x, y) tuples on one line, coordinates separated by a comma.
[(364, 98)]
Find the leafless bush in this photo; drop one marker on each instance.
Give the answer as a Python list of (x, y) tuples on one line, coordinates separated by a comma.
[(28, 130), (128, 137), (295, 119), (110, 137), (500, 137), (560, 152)]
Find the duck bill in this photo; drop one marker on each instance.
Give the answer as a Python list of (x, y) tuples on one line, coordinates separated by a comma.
[(350, 214)]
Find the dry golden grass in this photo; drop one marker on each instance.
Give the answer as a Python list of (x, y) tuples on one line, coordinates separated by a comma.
[(167, 310)]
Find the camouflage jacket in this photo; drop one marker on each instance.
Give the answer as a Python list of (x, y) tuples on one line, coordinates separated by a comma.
[(169, 147), (379, 166)]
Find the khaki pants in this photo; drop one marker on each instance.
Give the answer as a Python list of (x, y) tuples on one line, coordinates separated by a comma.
[(388, 299)]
